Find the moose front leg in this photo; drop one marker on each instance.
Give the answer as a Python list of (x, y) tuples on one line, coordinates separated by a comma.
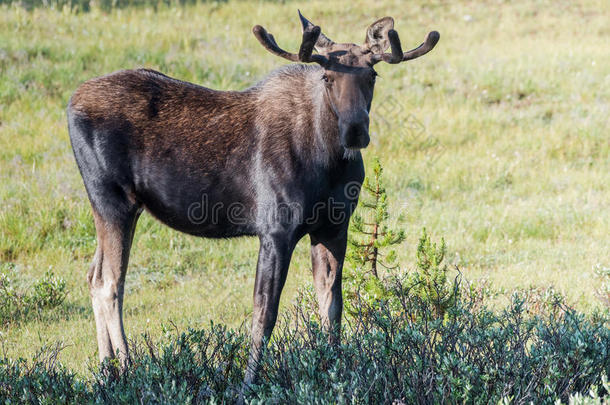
[(273, 262), (327, 255)]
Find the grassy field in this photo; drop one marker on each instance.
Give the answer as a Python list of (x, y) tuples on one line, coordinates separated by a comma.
[(498, 140)]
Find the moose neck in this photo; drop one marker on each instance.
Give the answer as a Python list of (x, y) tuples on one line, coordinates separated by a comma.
[(295, 116), (328, 148)]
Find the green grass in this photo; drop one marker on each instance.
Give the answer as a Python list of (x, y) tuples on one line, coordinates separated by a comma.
[(517, 95)]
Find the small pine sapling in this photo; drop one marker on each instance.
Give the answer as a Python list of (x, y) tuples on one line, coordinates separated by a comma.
[(430, 281), (370, 243)]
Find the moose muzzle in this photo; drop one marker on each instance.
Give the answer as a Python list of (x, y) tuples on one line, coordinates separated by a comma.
[(355, 133)]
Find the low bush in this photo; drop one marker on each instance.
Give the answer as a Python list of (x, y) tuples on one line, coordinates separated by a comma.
[(41, 381), (473, 354), (18, 304)]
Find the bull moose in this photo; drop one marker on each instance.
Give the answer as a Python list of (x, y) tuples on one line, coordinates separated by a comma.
[(289, 144)]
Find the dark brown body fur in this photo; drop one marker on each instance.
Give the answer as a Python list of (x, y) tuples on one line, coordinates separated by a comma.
[(266, 161), (169, 143)]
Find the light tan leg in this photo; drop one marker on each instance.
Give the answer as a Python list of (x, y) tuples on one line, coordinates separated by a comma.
[(106, 284), (103, 338)]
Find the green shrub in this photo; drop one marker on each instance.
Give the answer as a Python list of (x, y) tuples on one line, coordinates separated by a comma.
[(16, 305), (476, 355), (430, 280), (48, 292), (12, 302), (194, 367), (42, 381)]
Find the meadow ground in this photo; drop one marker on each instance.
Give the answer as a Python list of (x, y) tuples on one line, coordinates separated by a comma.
[(497, 140)]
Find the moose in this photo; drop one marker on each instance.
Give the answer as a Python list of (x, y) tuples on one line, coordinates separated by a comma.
[(145, 141)]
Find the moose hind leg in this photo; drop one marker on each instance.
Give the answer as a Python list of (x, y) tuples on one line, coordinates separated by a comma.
[(104, 344), (107, 281)]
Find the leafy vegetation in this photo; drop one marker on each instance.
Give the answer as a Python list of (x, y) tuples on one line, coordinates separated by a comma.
[(410, 355), (46, 294), (431, 279)]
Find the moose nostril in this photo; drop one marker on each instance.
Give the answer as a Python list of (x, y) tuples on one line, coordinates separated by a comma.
[(356, 136)]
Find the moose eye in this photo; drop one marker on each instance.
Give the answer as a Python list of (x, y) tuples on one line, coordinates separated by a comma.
[(325, 78)]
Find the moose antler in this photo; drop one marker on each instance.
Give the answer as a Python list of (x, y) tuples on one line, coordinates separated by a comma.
[(398, 56), (310, 36)]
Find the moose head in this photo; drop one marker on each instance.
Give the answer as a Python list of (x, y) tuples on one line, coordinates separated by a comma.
[(347, 70)]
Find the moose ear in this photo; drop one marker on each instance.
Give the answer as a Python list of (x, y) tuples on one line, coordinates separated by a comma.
[(377, 35)]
